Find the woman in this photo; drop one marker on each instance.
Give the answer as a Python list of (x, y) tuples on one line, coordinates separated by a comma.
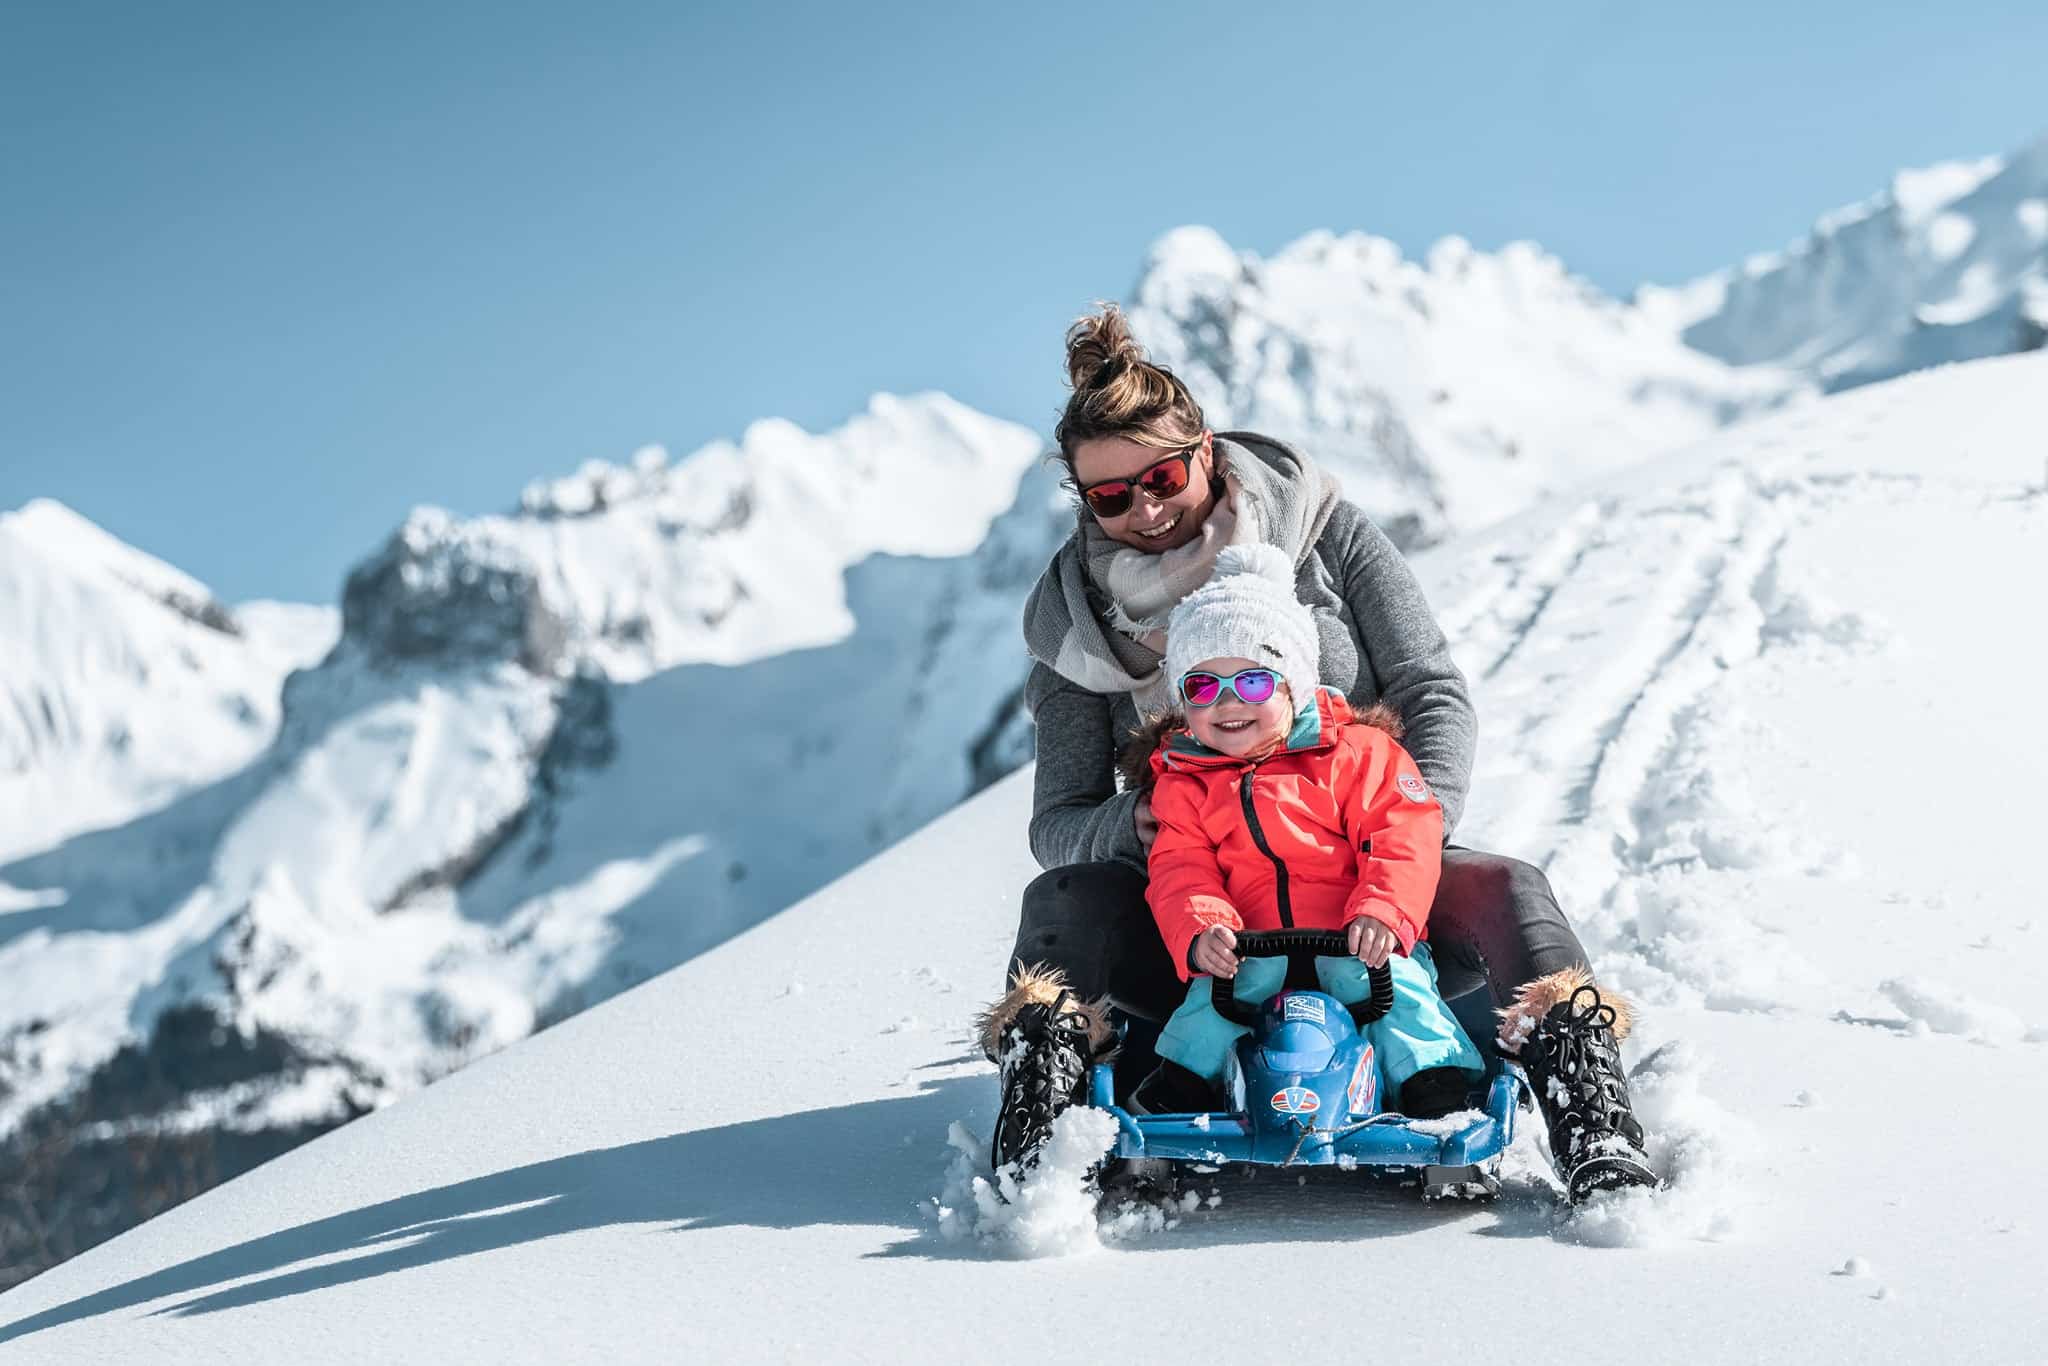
[(1161, 495)]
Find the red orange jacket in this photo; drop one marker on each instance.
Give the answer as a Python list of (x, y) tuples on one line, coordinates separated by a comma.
[(1334, 825)]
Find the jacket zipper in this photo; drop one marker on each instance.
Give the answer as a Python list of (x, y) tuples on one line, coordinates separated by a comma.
[(1251, 818)]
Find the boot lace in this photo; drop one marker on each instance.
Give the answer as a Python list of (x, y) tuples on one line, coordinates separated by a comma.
[(1581, 1055)]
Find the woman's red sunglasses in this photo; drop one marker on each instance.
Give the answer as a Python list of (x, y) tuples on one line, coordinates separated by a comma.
[(1159, 482)]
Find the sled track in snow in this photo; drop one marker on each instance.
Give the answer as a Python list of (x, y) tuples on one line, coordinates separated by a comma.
[(1619, 719), (1628, 747), (1651, 797), (1501, 616)]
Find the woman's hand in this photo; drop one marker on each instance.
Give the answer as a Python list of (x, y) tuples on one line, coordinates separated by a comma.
[(1369, 941), (1147, 823), (1213, 952)]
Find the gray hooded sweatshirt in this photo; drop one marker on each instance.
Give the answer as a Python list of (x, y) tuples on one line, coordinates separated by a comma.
[(1380, 643)]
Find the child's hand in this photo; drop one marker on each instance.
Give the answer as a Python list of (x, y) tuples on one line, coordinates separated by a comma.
[(1212, 953), (1370, 941)]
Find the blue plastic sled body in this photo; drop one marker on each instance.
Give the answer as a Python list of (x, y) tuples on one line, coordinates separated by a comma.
[(1311, 1098)]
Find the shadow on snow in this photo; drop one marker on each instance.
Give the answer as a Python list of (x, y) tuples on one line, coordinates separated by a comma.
[(869, 1164), (861, 1164)]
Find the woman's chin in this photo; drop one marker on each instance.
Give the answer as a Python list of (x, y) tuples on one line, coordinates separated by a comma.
[(1190, 529), (1172, 540), (1187, 529)]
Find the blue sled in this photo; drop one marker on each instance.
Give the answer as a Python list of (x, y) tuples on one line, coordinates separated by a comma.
[(1310, 1089)]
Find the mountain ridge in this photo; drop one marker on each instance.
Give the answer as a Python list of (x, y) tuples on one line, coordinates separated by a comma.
[(537, 756), (747, 1157), (1948, 263)]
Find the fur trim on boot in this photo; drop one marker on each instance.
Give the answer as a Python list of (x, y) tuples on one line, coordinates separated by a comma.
[(1572, 1056), (1041, 986), (1534, 1000), (1043, 1042)]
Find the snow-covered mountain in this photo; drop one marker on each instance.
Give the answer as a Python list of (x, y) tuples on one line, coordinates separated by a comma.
[(123, 682), (733, 554), (1949, 263), (546, 755), (1453, 391), (1721, 708), (1447, 393), (551, 754)]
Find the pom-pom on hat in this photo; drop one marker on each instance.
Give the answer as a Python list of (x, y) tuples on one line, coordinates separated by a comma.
[(1246, 610)]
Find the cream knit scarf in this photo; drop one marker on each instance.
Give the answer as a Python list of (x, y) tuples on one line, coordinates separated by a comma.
[(1098, 614)]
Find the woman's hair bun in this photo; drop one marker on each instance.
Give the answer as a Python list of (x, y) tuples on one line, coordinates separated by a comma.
[(1099, 345), (1119, 393)]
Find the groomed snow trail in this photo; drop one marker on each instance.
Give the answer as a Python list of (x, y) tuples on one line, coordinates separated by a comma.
[(1766, 713)]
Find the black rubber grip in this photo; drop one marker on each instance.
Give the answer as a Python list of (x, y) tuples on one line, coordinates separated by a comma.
[(1305, 946)]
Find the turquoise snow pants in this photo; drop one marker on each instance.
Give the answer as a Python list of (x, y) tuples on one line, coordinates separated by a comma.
[(1418, 1033)]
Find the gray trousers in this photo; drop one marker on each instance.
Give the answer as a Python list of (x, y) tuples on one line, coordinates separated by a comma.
[(1495, 923)]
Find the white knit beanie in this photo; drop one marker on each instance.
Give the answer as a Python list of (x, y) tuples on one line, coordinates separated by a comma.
[(1248, 610)]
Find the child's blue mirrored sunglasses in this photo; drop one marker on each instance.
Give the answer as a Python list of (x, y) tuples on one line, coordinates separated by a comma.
[(1253, 686)]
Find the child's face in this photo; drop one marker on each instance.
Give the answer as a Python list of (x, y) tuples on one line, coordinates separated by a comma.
[(1233, 726)]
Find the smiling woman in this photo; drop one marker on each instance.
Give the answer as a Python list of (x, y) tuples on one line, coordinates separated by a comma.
[(1124, 413), (1159, 498)]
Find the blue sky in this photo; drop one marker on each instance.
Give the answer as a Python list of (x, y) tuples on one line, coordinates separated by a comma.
[(276, 273)]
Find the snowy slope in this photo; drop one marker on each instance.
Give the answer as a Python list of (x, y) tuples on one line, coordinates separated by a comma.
[(1721, 700), (1447, 393), (123, 683), (1949, 263), (553, 754)]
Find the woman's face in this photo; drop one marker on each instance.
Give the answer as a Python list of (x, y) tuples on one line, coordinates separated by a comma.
[(1148, 524)]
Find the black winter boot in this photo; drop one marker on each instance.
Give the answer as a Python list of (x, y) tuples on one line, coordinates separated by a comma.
[(1043, 1049), (1435, 1092), (1574, 1065)]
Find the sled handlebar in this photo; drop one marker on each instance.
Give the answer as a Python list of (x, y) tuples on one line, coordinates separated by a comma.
[(1301, 948)]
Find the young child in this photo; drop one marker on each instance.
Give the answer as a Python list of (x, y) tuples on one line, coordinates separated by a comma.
[(1278, 808)]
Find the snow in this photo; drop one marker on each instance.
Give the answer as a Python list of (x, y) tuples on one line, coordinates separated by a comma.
[(1445, 393), (1949, 236), (124, 685), (524, 767), (1049, 1211), (738, 551), (509, 789), (1944, 1009), (1707, 1156), (1760, 710), (2033, 218), (1923, 192), (1943, 266), (1446, 1124)]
